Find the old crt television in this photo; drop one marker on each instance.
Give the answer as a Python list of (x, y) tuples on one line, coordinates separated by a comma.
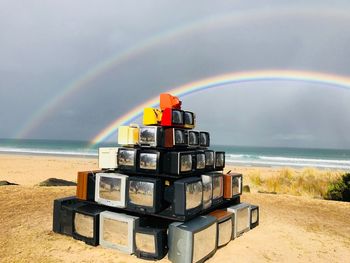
[(175, 137), (200, 160), (63, 214), (172, 117), (209, 160), (233, 184), (225, 226), (150, 243), (218, 187), (193, 138), (148, 161), (107, 158), (204, 139), (254, 216), (110, 189), (145, 194), (179, 162), (86, 181), (169, 101), (186, 196), (156, 136), (189, 120), (127, 159), (219, 161), (128, 135), (207, 182), (86, 221), (193, 241), (117, 231), (152, 116), (241, 215)]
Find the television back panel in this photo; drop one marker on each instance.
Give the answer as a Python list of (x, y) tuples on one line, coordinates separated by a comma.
[(128, 135), (150, 243), (117, 231), (152, 116), (86, 185), (241, 214), (107, 158), (169, 101)]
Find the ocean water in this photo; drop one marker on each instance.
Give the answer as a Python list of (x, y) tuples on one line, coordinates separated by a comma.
[(235, 155)]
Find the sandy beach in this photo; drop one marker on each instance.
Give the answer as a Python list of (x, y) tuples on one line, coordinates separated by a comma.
[(292, 229)]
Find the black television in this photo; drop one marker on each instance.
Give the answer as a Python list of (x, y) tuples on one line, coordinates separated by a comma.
[(186, 196), (148, 161), (193, 138), (179, 162), (86, 223), (254, 216), (218, 187), (145, 194), (204, 139), (209, 160), (127, 159), (189, 119), (200, 160), (207, 181), (150, 242), (219, 161)]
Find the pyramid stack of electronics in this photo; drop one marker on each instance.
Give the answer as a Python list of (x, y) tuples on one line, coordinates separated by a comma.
[(163, 191)]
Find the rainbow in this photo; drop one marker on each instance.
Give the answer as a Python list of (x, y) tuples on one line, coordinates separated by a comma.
[(220, 81)]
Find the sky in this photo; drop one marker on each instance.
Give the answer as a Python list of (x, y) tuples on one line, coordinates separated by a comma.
[(116, 55)]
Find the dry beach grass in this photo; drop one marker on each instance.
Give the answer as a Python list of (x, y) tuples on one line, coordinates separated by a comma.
[(292, 228)]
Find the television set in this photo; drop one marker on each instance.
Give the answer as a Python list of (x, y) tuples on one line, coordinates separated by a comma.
[(169, 101), (145, 194), (204, 139), (219, 161), (107, 158), (152, 116), (233, 184), (189, 120), (86, 220), (127, 159), (117, 231), (128, 135), (179, 162), (186, 196), (207, 181), (193, 138), (200, 160), (150, 243), (151, 136), (241, 215), (209, 160), (110, 189), (218, 187), (63, 209), (86, 181), (172, 118), (254, 216), (148, 161), (193, 241), (175, 137), (225, 226)]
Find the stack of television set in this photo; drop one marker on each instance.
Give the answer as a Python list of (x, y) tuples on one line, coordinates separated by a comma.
[(162, 190)]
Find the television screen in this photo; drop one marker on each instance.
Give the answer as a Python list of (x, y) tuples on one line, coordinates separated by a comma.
[(178, 162), (177, 117), (84, 225), (225, 226), (185, 163), (219, 160), (217, 187), (192, 241), (111, 189), (180, 137), (145, 243), (148, 135), (189, 119), (241, 218), (204, 139), (150, 242), (193, 138), (194, 195), (148, 161), (207, 182), (254, 216), (107, 157), (126, 157), (209, 159), (200, 161)]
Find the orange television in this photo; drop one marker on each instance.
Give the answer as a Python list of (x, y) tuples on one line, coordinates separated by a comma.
[(169, 101)]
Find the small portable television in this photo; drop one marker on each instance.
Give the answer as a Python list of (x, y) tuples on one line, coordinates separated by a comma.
[(127, 159), (169, 101), (145, 194), (117, 231), (150, 243), (200, 160), (151, 136), (193, 138), (63, 210), (189, 120), (175, 137), (178, 162), (128, 135), (207, 182), (233, 184), (218, 187), (204, 139), (86, 181), (110, 189), (86, 220), (193, 241), (107, 158), (186, 196), (148, 161), (172, 118), (152, 116), (219, 161), (254, 216), (241, 215), (209, 160), (225, 226)]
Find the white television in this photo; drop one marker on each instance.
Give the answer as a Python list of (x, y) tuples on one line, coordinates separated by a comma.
[(107, 158), (241, 215)]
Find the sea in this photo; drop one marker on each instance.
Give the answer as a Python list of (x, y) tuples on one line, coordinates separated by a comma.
[(235, 155)]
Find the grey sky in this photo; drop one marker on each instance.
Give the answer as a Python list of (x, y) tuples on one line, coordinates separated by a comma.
[(44, 46)]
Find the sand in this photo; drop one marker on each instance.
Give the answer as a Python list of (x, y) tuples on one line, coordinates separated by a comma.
[(292, 229)]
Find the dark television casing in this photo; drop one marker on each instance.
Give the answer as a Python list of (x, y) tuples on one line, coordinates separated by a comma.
[(172, 165), (217, 166), (160, 243), (209, 160), (204, 142), (189, 119), (224, 219), (122, 166), (193, 134), (140, 162), (218, 193), (254, 216), (233, 185), (162, 137)]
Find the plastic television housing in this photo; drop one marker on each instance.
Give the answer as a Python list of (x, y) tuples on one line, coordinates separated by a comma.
[(207, 182), (233, 185), (209, 160), (107, 158), (148, 161), (225, 226), (241, 215), (219, 161), (128, 135), (179, 162), (254, 216), (189, 120), (218, 187), (204, 139), (193, 138), (127, 158), (86, 181), (172, 118)]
